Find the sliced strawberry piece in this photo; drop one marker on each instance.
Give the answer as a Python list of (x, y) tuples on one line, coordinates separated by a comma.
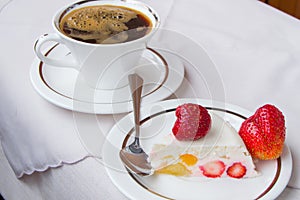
[(236, 170), (213, 169), (193, 122)]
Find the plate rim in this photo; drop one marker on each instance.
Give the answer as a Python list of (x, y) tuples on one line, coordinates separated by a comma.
[(275, 189)]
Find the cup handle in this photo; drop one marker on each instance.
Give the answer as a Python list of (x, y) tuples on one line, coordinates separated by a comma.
[(50, 61)]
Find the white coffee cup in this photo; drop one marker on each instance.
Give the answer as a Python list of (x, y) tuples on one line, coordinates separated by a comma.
[(101, 65)]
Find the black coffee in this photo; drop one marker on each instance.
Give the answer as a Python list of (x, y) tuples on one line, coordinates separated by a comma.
[(105, 24)]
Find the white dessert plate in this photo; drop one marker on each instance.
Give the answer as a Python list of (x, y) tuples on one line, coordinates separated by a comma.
[(162, 72), (157, 121)]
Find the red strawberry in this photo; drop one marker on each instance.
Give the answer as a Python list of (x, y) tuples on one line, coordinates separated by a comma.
[(193, 122), (264, 133), (213, 169), (236, 170)]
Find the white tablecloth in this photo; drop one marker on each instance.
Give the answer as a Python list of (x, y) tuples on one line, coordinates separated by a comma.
[(255, 49)]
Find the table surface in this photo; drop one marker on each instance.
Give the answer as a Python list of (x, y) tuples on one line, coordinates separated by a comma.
[(250, 44)]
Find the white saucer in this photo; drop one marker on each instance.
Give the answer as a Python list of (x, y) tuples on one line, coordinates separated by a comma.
[(157, 121), (162, 72)]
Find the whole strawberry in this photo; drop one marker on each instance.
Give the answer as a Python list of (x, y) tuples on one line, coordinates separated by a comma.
[(193, 122), (264, 133)]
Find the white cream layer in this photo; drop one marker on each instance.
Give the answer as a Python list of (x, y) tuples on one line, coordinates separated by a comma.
[(221, 143)]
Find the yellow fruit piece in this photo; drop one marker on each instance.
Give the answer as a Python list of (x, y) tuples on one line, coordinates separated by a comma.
[(189, 159), (177, 169)]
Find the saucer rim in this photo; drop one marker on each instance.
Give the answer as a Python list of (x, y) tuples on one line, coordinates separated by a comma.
[(159, 84), (68, 103)]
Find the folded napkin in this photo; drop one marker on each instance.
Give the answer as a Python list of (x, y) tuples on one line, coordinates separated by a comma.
[(35, 134)]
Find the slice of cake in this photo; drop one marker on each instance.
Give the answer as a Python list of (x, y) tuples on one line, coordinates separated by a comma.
[(219, 153)]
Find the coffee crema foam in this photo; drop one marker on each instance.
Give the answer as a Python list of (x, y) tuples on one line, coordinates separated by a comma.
[(105, 24)]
